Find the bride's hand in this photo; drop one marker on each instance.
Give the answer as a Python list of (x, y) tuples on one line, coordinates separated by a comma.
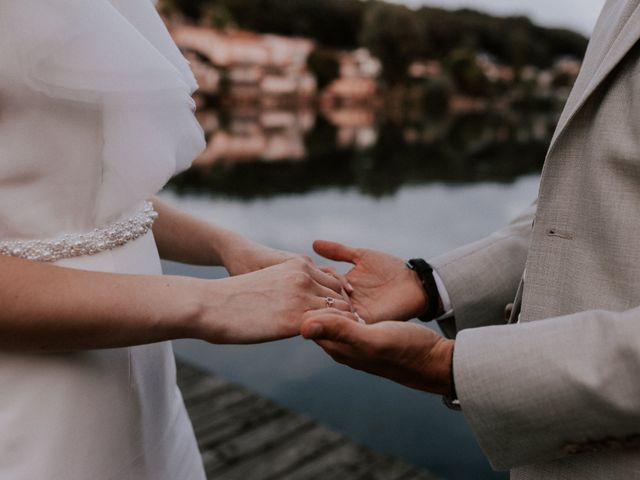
[(242, 256), (265, 305)]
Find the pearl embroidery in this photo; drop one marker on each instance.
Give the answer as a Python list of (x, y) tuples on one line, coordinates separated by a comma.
[(80, 244)]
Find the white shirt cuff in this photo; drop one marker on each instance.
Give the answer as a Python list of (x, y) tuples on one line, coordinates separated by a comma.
[(444, 297)]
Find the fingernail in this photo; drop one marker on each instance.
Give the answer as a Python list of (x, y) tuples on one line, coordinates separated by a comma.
[(350, 288)]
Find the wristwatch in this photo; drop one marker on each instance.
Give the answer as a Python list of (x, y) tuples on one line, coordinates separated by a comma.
[(451, 403), (425, 274)]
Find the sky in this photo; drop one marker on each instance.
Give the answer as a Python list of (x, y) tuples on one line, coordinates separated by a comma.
[(578, 15)]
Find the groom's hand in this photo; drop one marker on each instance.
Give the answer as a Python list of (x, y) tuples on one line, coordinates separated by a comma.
[(384, 288), (406, 353)]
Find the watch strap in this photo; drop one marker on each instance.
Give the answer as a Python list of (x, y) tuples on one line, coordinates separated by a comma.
[(425, 274)]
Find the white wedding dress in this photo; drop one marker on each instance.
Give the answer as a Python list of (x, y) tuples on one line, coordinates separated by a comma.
[(95, 117)]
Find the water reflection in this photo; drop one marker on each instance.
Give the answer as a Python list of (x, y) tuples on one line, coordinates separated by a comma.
[(255, 153), (253, 135)]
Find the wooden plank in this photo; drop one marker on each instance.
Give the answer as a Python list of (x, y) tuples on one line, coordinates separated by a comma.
[(418, 475), (353, 462), (253, 442), (243, 436), (204, 389), (186, 373), (388, 468), (237, 420), (216, 403), (347, 461), (290, 454)]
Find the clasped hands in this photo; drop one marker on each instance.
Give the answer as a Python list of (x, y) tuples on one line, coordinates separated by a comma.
[(379, 289)]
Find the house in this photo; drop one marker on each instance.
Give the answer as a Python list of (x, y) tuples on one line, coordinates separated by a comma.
[(252, 65), (494, 71), (250, 135), (358, 78), (424, 69)]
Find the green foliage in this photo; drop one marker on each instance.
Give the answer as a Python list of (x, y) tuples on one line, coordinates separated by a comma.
[(333, 23), (217, 16), (168, 7), (324, 65), (515, 41), (396, 34), (466, 74), (189, 8), (436, 96)]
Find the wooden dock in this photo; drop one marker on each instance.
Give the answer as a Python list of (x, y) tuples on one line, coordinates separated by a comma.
[(243, 436)]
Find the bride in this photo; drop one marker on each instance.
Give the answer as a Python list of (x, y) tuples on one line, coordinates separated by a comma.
[(95, 116)]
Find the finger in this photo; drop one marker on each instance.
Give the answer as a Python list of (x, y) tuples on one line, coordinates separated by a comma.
[(338, 351), (343, 280), (325, 292), (330, 311), (319, 303), (336, 328), (326, 280), (335, 251)]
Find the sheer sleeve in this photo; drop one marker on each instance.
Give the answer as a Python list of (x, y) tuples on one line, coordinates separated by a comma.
[(118, 58)]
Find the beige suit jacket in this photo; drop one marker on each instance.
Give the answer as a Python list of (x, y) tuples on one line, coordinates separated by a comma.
[(557, 395)]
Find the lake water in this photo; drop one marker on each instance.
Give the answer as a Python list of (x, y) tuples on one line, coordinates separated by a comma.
[(394, 194)]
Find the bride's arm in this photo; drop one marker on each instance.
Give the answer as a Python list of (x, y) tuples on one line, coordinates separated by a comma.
[(45, 308), (183, 238)]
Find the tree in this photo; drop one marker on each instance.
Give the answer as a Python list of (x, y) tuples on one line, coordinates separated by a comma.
[(217, 16), (395, 35), (392, 32), (467, 76)]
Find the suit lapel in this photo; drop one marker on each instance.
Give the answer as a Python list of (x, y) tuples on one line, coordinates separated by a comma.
[(597, 68)]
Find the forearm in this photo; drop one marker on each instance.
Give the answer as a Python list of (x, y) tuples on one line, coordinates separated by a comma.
[(481, 278), (47, 308), (180, 237), (543, 390)]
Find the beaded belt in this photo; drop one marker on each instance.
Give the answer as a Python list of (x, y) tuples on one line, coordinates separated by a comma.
[(80, 244)]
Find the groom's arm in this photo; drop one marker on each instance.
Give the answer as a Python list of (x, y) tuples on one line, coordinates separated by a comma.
[(482, 278), (532, 392), (553, 388)]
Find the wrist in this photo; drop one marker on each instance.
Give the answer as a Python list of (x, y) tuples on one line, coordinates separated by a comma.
[(192, 305), (418, 293), (173, 306), (442, 367), (203, 298), (432, 306), (223, 245)]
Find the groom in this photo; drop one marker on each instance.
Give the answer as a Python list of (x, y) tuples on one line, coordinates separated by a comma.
[(553, 390)]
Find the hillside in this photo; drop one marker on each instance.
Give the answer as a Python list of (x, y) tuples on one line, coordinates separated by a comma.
[(394, 33)]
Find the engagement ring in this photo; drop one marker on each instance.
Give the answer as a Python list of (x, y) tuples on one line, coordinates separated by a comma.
[(330, 301)]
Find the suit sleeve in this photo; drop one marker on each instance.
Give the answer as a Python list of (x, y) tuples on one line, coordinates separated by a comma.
[(481, 278), (544, 390)]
